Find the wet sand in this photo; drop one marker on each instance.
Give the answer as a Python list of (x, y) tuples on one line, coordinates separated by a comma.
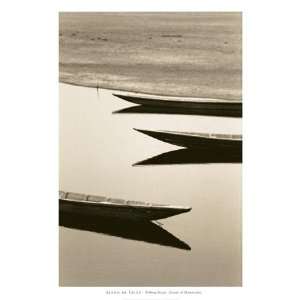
[(179, 54)]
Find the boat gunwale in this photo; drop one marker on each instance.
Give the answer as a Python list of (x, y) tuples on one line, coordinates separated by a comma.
[(173, 99), (207, 136), (126, 205)]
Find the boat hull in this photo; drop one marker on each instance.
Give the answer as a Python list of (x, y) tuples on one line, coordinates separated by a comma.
[(194, 141), (227, 107), (120, 211)]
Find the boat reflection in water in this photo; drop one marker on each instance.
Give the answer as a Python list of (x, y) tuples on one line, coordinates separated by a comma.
[(193, 156), (145, 231)]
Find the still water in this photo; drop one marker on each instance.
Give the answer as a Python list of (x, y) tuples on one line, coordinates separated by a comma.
[(98, 151)]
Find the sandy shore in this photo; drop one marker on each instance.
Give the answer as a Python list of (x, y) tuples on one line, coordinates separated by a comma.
[(186, 54)]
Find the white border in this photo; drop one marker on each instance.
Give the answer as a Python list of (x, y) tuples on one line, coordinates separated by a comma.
[(29, 156), (144, 5)]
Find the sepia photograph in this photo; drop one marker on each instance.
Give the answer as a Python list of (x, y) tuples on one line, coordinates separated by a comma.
[(150, 149)]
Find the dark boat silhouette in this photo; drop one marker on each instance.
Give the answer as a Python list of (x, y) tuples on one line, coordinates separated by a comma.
[(145, 109), (196, 140), (195, 105), (144, 231), (193, 156), (107, 207)]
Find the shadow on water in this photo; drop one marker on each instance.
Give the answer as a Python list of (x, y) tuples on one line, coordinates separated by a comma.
[(134, 230), (145, 109), (194, 156)]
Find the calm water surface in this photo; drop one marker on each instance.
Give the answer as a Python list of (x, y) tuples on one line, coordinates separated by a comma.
[(97, 153)]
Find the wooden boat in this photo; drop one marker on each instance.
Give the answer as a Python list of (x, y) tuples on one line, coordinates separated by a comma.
[(194, 140), (202, 105), (107, 207)]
